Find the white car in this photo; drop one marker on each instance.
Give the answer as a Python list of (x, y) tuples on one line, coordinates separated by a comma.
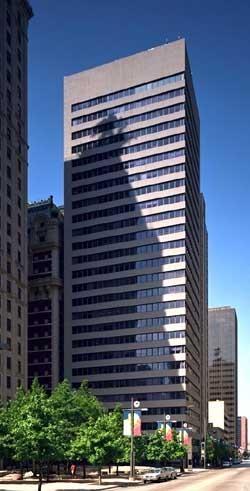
[(155, 475), (171, 472)]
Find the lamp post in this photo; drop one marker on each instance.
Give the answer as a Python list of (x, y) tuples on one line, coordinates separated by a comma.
[(134, 405), (189, 454)]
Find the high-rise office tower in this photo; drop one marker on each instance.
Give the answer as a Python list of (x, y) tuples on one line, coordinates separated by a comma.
[(242, 433), (223, 362), (133, 266), (14, 18), (45, 305)]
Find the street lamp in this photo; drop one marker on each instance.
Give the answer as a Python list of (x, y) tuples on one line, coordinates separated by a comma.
[(135, 404)]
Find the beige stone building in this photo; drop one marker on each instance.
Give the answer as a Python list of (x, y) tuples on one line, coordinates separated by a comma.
[(45, 305), (135, 237), (14, 19)]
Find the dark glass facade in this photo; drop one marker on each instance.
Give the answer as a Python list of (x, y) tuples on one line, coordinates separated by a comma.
[(223, 362)]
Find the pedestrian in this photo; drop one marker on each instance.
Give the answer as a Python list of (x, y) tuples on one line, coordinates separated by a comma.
[(73, 470)]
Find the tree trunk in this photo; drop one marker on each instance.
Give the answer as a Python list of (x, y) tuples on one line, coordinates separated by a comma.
[(117, 469), (100, 475), (21, 470), (40, 479), (109, 469), (58, 469), (84, 470)]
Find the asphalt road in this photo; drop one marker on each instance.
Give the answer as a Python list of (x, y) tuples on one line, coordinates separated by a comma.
[(236, 478)]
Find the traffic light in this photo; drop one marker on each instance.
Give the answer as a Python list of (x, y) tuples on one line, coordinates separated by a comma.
[(202, 449)]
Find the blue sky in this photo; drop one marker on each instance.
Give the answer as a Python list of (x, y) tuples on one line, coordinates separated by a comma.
[(67, 37)]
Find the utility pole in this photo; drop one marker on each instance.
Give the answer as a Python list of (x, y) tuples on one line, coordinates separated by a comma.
[(131, 476), (205, 438)]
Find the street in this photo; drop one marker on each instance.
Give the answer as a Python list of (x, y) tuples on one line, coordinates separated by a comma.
[(232, 479)]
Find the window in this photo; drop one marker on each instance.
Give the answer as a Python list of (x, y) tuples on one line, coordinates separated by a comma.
[(139, 147), (127, 107), (19, 165), (120, 137), (127, 92), (8, 305), (9, 153), (19, 238), (8, 382), (19, 351), (19, 184), (19, 275), (8, 38), (8, 172), (8, 324), (8, 57), (9, 248), (8, 210), (9, 98), (8, 286), (19, 202), (8, 18), (19, 330), (19, 294), (129, 309), (19, 311), (9, 229), (8, 267), (8, 191), (9, 343), (8, 363), (8, 76), (19, 220)]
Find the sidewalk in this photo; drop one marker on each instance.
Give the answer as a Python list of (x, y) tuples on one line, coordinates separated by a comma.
[(73, 485)]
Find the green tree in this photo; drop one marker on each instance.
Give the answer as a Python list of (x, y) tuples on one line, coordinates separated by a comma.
[(140, 447), (5, 444), (158, 449), (31, 434), (177, 450), (100, 441)]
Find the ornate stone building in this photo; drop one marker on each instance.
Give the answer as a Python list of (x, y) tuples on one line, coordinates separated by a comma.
[(45, 306)]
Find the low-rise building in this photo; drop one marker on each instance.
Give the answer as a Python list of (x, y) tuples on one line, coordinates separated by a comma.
[(218, 417)]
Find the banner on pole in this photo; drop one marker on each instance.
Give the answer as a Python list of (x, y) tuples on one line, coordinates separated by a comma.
[(185, 437), (127, 422), (168, 430), (160, 425), (169, 434)]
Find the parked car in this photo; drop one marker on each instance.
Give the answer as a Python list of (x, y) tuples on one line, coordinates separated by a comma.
[(171, 472), (158, 474), (227, 463)]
